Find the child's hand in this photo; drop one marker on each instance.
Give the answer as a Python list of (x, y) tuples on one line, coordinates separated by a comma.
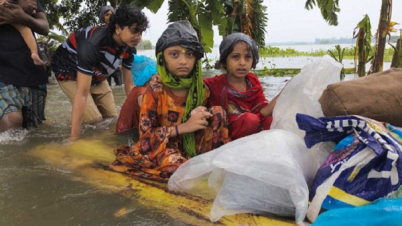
[(155, 77), (198, 120), (198, 109)]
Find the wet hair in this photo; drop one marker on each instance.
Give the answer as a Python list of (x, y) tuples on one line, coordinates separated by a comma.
[(229, 42), (127, 15)]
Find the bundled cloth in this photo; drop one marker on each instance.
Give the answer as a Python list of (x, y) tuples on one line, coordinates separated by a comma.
[(364, 166), (367, 96), (142, 69)]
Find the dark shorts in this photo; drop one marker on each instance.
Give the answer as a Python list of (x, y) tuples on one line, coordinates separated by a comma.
[(28, 100)]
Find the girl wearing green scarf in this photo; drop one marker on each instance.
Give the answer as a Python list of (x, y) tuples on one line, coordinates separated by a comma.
[(174, 124)]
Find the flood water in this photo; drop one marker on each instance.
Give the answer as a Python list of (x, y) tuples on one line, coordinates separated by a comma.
[(35, 192)]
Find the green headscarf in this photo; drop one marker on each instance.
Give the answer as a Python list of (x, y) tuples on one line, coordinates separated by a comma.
[(195, 95)]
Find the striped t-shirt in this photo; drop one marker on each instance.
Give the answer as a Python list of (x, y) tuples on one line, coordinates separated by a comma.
[(91, 51)]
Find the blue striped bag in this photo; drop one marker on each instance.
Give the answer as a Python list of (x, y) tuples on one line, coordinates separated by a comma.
[(364, 166)]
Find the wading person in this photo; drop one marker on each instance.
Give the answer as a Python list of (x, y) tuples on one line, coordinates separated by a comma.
[(22, 83), (104, 17), (83, 62), (174, 125)]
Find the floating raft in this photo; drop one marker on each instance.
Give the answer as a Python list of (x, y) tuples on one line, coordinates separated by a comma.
[(89, 160)]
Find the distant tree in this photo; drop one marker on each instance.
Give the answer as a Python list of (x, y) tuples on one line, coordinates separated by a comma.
[(76, 13), (147, 44)]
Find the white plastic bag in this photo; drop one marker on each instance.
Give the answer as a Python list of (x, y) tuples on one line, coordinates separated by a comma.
[(301, 95), (302, 92), (262, 173), (268, 172)]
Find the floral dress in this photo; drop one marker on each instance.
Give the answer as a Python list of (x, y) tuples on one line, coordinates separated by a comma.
[(156, 155)]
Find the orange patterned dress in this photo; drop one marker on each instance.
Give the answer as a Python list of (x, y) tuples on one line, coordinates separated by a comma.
[(156, 155)]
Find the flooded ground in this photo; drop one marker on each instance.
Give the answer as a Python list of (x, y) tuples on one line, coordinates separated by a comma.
[(33, 192)]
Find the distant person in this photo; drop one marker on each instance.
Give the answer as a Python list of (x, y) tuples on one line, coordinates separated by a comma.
[(22, 82), (174, 126), (104, 16), (239, 91), (83, 62)]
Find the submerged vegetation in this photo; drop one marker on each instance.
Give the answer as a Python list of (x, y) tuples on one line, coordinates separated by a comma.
[(349, 52)]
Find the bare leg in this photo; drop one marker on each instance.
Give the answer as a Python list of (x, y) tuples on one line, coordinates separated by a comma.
[(30, 41), (12, 120)]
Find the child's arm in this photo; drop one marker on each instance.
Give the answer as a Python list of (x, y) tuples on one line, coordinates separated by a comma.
[(269, 109), (128, 81), (29, 39), (15, 14)]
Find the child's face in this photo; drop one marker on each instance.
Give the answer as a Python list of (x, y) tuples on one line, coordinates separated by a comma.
[(107, 16), (129, 35), (239, 61), (179, 61)]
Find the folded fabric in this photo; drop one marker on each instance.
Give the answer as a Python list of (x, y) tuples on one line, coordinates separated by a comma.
[(376, 96)]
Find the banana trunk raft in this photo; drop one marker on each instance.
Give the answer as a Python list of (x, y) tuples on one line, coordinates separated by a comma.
[(89, 160)]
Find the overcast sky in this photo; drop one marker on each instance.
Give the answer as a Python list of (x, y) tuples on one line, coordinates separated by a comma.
[(288, 20)]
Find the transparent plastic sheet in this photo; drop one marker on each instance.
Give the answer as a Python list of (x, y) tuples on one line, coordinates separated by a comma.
[(301, 95), (268, 172)]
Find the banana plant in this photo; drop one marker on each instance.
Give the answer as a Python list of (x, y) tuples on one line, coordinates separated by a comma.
[(248, 17), (397, 58), (328, 8), (363, 51), (202, 14), (338, 54), (380, 36)]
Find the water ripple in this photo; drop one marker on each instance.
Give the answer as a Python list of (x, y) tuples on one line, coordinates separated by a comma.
[(13, 136)]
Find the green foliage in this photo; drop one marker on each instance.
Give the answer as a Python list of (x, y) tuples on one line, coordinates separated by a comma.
[(217, 14), (152, 5), (53, 40), (328, 9), (338, 54), (246, 16), (206, 31), (76, 13), (260, 22), (348, 53), (147, 44)]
